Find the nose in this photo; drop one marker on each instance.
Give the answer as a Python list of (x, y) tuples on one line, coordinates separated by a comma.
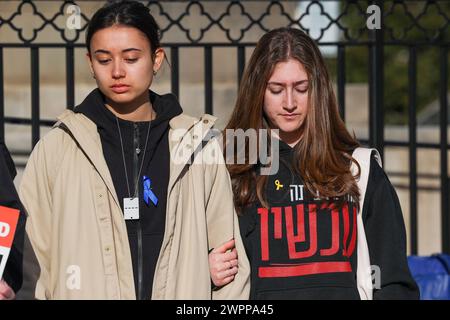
[(118, 71), (290, 104)]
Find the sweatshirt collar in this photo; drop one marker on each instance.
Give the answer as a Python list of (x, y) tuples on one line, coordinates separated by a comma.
[(93, 107)]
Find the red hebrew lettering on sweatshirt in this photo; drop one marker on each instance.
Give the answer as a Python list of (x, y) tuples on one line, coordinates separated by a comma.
[(296, 233)]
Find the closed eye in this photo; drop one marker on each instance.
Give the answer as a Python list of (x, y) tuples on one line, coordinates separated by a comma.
[(276, 91), (132, 60), (302, 89)]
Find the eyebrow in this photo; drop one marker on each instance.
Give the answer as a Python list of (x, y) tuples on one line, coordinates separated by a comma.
[(282, 84), (109, 52)]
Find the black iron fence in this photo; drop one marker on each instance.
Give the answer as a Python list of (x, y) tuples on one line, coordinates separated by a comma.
[(238, 24)]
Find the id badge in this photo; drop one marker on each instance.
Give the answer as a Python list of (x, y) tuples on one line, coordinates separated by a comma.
[(131, 208)]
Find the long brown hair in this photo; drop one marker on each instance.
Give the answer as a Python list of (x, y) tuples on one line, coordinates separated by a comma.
[(322, 157)]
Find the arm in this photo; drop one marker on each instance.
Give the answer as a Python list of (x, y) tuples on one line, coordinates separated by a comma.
[(386, 238), (35, 193), (222, 224), (9, 198)]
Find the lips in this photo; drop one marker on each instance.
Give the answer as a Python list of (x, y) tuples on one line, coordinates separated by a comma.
[(290, 116), (120, 88)]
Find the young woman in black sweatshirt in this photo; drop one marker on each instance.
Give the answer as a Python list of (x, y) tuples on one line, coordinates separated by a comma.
[(299, 224)]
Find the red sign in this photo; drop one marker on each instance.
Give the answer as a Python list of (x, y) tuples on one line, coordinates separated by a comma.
[(8, 223)]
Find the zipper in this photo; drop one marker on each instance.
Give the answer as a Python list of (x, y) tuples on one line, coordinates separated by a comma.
[(136, 149)]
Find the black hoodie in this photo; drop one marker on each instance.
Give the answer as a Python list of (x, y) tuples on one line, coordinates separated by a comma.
[(9, 198), (303, 249), (146, 234)]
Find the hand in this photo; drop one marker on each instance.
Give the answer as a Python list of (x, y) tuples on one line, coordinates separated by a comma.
[(6, 293), (223, 263)]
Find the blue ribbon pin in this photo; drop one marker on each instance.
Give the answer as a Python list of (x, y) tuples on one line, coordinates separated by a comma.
[(148, 193)]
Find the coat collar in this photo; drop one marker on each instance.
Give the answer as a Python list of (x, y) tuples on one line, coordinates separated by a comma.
[(185, 137), (85, 134)]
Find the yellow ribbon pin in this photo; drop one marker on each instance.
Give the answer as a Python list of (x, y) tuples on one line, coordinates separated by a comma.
[(278, 184)]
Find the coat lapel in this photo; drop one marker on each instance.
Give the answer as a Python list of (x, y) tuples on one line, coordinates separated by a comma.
[(84, 132), (185, 137)]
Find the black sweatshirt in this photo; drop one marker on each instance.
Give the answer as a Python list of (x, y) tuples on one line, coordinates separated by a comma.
[(9, 198), (301, 248), (146, 234)]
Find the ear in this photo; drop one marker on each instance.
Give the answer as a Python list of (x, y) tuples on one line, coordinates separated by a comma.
[(159, 58), (89, 60)]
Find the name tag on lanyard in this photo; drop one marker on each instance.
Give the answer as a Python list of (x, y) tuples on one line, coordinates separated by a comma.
[(131, 208)]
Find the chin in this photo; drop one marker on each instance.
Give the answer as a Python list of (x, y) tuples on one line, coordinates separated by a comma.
[(121, 98), (289, 128)]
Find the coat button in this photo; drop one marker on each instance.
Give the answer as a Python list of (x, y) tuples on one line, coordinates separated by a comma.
[(205, 121)]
